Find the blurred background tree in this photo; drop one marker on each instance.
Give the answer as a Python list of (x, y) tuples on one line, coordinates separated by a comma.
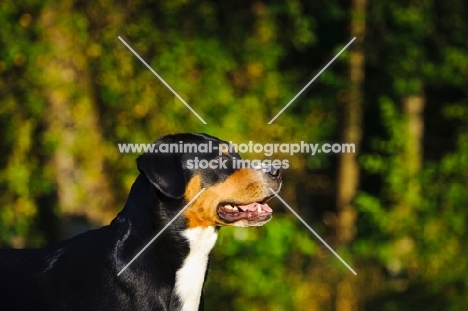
[(70, 91)]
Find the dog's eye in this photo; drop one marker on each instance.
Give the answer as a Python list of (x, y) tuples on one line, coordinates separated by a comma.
[(224, 155), (219, 158)]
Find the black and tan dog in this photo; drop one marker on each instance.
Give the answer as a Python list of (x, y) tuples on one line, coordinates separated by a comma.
[(81, 273)]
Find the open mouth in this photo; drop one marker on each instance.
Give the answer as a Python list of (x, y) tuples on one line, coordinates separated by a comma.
[(253, 212)]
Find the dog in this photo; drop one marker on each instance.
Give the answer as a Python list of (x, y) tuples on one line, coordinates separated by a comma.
[(81, 273)]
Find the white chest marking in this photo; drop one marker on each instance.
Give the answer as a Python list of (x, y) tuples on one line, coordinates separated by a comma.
[(190, 277)]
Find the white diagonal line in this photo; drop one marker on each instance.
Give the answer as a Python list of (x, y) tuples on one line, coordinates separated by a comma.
[(162, 80), (312, 230), (316, 76), (159, 233)]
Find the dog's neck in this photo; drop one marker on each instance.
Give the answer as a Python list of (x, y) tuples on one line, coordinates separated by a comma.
[(191, 276), (181, 250)]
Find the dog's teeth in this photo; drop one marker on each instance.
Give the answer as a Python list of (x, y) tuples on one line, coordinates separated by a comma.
[(259, 208), (229, 207), (235, 209)]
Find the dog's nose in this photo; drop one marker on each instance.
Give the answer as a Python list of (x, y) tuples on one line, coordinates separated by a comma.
[(274, 171)]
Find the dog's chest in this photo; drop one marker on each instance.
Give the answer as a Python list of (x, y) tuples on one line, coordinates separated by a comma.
[(190, 277)]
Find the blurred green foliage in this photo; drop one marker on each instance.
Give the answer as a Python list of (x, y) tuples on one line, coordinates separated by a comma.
[(70, 91)]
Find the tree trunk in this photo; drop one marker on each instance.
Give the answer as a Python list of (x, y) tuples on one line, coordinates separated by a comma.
[(413, 107), (72, 120), (348, 166), (410, 159)]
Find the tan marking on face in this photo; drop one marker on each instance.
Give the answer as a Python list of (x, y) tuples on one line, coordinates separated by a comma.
[(224, 149), (193, 187), (243, 186)]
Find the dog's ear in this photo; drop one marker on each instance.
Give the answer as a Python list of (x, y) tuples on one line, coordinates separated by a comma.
[(164, 170)]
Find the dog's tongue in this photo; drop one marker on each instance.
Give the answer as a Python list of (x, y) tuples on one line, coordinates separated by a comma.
[(254, 207)]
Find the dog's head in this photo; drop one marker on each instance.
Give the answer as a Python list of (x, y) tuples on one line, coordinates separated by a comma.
[(235, 194)]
